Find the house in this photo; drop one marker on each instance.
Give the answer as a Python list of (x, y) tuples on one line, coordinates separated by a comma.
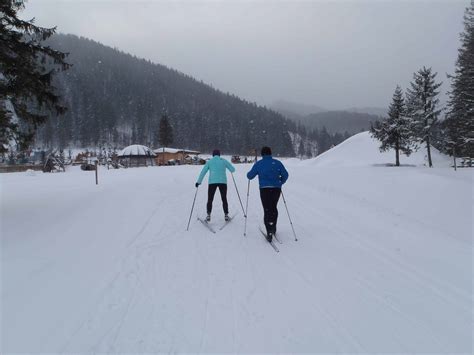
[(165, 156)]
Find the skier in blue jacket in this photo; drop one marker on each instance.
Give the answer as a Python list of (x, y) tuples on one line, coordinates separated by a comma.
[(217, 179), (271, 176)]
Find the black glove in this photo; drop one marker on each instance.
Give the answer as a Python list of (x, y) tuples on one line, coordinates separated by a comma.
[(197, 184)]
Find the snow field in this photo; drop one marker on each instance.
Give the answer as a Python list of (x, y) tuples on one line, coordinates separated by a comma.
[(383, 262)]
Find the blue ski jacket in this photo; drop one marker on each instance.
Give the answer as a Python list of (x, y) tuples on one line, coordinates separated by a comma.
[(271, 172), (217, 170)]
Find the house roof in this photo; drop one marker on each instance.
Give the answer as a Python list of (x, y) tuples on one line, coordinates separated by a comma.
[(175, 150), (136, 150)]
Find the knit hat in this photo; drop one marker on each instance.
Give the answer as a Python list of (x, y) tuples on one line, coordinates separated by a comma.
[(216, 152), (266, 151)]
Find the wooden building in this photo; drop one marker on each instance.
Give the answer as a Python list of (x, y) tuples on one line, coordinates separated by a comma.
[(167, 156)]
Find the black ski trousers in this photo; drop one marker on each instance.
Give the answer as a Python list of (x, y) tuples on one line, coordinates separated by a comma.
[(270, 197), (210, 197)]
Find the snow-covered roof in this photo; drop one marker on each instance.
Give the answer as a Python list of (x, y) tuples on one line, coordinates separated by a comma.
[(136, 149), (175, 150)]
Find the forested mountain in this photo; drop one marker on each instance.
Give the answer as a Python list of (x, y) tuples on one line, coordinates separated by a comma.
[(339, 121), (335, 122), (349, 121), (294, 109), (117, 99), (376, 111)]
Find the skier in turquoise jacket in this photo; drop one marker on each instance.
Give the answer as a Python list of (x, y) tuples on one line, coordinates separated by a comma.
[(217, 180)]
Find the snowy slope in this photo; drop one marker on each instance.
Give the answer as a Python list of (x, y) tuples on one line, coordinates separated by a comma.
[(363, 150), (383, 262)]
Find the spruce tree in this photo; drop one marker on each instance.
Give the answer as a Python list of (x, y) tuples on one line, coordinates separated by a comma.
[(422, 108), (324, 140), (395, 131), (165, 132), (459, 124), (301, 148), (26, 72)]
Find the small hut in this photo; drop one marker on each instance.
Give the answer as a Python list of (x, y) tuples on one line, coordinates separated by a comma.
[(164, 155), (136, 155)]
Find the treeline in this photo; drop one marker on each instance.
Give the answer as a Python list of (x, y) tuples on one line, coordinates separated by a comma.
[(414, 118), (324, 140), (115, 98)]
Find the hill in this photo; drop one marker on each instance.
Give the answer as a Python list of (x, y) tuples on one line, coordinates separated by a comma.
[(117, 99), (363, 150), (339, 121), (376, 111), (349, 121), (295, 109)]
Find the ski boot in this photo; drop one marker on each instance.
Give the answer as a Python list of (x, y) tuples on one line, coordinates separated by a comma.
[(226, 217), (208, 217), (269, 237)]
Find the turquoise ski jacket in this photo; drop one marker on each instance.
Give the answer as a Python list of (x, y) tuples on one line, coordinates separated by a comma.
[(216, 167)]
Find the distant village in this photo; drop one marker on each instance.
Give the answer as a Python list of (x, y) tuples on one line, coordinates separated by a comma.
[(135, 155)]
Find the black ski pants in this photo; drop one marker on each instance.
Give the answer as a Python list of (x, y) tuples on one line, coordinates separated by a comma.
[(210, 197), (270, 197)]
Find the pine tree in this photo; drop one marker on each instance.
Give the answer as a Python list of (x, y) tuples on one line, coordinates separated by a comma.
[(394, 132), (422, 107), (165, 132), (301, 148), (459, 124), (324, 140), (26, 73)]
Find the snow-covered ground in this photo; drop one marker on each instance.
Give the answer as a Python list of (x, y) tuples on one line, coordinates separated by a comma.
[(383, 262)]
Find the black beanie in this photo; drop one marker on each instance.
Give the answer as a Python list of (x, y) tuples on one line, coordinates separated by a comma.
[(266, 151), (216, 152)]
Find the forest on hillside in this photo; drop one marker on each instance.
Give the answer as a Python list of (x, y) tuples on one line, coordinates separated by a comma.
[(114, 98)]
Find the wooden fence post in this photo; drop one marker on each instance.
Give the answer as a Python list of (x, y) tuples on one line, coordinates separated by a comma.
[(96, 172)]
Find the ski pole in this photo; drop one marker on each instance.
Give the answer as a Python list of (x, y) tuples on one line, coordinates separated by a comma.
[(236, 189), (246, 208), (282, 195), (192, 208)]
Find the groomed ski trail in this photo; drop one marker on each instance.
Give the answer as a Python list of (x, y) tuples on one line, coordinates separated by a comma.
[(144, 284)]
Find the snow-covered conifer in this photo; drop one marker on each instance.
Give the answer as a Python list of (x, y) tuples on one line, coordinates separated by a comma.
[(422, 107), (395, 131)]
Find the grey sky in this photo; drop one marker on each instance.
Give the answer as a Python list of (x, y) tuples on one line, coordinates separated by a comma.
[(334, 54)]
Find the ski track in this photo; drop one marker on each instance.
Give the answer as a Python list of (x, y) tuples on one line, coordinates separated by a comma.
[(169, 290), (418, 278)]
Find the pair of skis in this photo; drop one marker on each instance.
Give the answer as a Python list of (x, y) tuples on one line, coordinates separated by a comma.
[(272, 243), (211, 229)]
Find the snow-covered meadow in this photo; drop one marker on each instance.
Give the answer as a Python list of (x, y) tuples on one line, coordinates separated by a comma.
[(383, 262)]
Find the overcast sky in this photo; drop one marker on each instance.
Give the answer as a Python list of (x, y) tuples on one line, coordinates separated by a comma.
[(335, 54)]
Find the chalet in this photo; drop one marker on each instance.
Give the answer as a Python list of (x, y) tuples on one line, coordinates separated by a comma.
[(165, 155)]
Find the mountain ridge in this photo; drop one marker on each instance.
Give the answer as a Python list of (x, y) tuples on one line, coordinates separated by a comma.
[(115, 98)]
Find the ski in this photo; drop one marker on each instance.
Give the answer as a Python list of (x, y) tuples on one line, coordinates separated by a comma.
[(272, 243), (208, 226), (227, 222), (277, 239)]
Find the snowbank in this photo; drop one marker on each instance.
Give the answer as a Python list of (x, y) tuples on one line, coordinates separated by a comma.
[(363, 150)]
